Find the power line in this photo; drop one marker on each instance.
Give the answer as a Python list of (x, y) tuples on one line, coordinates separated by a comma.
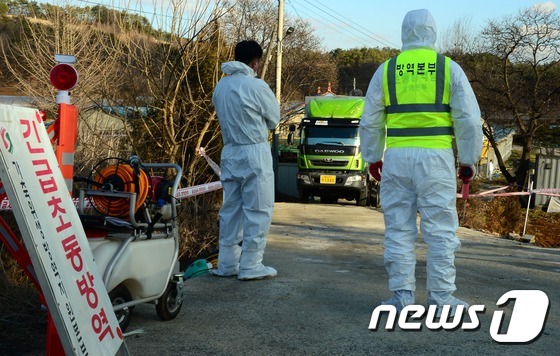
[(295, 10), (330, 25), (349, 26), (349, 30), (381, 39)]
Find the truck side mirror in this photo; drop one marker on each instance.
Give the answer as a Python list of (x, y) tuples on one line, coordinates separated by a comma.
[(292, 127), (290, 139)]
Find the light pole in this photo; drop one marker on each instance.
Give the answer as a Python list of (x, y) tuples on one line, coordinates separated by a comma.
[(279, 50)]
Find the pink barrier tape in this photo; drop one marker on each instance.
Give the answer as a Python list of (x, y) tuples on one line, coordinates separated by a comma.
[(181, 194), (493, 190), (490, 193), (215, 167), (547, 191), (549, 194), (494, 195), (198, 189)]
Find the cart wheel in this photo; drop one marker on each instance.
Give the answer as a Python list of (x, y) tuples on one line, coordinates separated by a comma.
[(120, 295), (168, 305)]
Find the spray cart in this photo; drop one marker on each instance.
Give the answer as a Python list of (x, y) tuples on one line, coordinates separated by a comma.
[(129, 213)]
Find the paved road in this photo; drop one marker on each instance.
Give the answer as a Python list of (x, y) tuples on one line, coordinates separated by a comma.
[(330, 279)]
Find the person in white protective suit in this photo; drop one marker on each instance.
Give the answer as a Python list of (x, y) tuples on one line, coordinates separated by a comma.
[(416, 102), (490, 168), (246, 109)]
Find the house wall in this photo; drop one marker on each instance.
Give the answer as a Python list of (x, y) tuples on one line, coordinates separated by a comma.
[(505, 147), (547, 175)]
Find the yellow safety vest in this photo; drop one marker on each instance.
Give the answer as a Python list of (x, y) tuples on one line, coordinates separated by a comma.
[(416, 84)]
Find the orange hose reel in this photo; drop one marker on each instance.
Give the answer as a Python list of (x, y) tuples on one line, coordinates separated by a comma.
[(121, 178)]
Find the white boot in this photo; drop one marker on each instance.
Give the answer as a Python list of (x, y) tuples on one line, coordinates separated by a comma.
[(228, 261), (400, 299), (251, 267), (263, 272), (446, 298)]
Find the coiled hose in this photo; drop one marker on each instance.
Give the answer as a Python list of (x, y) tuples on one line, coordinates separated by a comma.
[(120, 178)]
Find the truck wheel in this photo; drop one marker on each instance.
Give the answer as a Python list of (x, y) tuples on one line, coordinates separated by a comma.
[(373, 195), (362, 197), (374, 199), (304, 196)]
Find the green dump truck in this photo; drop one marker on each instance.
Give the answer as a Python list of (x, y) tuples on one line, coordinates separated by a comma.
[(330, 164)]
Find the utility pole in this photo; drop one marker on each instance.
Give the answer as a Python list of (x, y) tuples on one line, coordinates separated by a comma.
[(279, 50), (275, 147), (268, 55)]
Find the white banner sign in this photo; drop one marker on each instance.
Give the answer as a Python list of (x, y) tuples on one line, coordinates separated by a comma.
[(54, 237)]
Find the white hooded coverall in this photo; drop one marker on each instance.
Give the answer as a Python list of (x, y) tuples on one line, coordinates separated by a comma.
[(421, 179), (246, 109)]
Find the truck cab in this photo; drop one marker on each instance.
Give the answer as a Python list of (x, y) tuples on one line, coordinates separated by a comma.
[(330, 164)]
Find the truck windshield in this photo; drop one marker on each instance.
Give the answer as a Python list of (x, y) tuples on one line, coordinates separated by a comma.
[(330, 135)]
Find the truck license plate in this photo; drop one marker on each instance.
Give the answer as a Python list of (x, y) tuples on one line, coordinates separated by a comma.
[(327, 179)]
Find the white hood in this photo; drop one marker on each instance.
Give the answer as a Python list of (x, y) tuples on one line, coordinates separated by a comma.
[(418, 30), (234, 67)]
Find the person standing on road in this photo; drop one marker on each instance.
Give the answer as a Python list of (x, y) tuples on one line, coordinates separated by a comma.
[(246, 109), (490, 167), (415, 103)]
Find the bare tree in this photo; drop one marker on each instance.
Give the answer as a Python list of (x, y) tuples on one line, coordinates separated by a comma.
[(172, 78), (516, 75), (251, 19), (458, 39), (305, 64)]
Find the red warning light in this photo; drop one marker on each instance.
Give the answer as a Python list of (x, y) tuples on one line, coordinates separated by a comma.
[(63, 76)]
